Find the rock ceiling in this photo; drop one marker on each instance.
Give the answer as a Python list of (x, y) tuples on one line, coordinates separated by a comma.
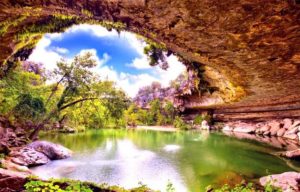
[(248, 45)]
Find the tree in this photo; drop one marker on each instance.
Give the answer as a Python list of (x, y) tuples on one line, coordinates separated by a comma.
[(29, 108), (131, 116), (170, 112), (154, 111), (80, 84)]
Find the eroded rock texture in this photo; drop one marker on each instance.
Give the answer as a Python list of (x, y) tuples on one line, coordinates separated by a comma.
[(251, 48)]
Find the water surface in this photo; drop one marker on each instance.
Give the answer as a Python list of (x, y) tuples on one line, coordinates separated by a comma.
[(189, 160)]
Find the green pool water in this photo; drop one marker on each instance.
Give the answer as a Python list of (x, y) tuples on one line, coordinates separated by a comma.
[(189, 160)]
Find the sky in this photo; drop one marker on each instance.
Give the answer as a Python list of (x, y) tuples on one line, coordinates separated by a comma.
[(119, 57)]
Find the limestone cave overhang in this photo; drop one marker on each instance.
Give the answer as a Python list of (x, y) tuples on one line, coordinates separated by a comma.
[(250, 49)]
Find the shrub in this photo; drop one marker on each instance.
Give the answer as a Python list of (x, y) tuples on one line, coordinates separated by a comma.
[(245, 187), (179, 123), (40, 186), (29, 107), (199, 118)]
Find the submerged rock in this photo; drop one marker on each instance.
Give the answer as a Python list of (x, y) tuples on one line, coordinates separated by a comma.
[(288, 181), (51, 150)]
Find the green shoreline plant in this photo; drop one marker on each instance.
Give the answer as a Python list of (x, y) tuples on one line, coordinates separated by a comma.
[(66, 185), (245, 187)]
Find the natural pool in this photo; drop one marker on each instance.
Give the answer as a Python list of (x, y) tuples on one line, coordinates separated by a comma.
[(189, 160)]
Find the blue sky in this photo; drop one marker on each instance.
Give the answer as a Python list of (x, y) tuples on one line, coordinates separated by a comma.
[(119, 56)]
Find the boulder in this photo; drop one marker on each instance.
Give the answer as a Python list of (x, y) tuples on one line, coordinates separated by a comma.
[(27, 156), (11, 181), (290, 136), (8, 164), (295, 124), (274, 130), (288, 181), (227, 128), (287, 123), (4, 148), (244, 128), (266, 133), (265, 128), (294, 154), (259, 126), (295, 130), (274, 124), (281, 132), (51, 150)]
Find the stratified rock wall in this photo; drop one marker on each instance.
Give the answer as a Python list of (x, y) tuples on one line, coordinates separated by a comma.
[(252, 45)]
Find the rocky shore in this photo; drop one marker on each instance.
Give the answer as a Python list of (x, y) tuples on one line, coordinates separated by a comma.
[(34, 154), (284, 134)]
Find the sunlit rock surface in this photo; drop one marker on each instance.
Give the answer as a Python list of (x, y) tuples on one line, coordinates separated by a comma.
[(251, 48), (288, 181)]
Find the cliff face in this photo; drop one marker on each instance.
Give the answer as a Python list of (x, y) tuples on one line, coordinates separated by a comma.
[(251, 48)]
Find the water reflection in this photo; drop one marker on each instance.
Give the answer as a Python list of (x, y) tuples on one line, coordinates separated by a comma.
[(117, 162), (171, 148), (189, 160)]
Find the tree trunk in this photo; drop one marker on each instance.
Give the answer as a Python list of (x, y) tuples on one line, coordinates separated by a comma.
[(34, 135)]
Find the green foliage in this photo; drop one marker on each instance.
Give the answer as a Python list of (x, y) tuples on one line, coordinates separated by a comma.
[(131, 117), (78, 99), (199, 118), (170, 112), (64, 16), (16, 83), (155, 115), (5, 25), (245, 187), (180, 124), (155, 53), (86, 13), (39, 186), (53, 186), (109, 25), (2, 156), (170, 187), (29, 108), (67, 185), (86, 100), (155, 111), (55, 23)]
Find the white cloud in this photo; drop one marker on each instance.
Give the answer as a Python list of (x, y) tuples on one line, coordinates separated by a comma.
[(174, 70), (140, 63), (41, 55), (61, 50)]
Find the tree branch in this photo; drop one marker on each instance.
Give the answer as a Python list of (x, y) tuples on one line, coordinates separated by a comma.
[(77, 101)]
